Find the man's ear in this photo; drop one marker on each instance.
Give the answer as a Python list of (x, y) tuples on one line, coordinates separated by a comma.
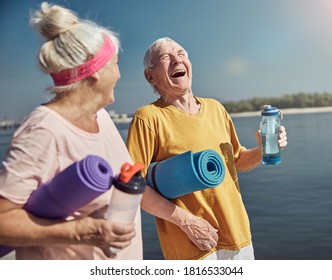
[(148, 76)]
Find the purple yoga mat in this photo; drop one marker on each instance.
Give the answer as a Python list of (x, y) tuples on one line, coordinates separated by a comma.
[(69, 190)]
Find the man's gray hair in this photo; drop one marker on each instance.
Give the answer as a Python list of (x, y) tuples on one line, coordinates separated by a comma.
[(152, 49)]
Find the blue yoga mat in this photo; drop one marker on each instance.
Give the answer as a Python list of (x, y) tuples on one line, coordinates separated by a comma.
[(69, 190), (186, 173)]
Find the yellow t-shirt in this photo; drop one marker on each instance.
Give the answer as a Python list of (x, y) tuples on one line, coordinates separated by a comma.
[(159, 131)]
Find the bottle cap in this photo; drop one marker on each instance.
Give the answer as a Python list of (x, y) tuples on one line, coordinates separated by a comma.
[(130, 179), (268, 110), (128, 171)]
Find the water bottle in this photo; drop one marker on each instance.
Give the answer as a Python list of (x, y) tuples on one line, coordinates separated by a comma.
[(270, 129), (127, 194)]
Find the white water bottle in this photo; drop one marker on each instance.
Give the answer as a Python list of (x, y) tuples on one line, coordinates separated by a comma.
[(126, 197)]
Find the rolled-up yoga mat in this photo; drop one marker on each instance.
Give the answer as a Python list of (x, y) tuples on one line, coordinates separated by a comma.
[(69, 190), (186, 173)]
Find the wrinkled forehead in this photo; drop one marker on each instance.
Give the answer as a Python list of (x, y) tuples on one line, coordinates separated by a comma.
[(167, 47)]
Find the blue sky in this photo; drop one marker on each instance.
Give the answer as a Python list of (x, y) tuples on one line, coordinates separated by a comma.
[(239, 48)]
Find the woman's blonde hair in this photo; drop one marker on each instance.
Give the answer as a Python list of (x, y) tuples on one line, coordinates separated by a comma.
[(69, 41)]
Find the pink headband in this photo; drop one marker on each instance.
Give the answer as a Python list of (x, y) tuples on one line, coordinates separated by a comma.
[(73, 75)]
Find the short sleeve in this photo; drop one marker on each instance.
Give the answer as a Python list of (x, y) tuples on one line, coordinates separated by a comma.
[(141, 142), (31, 160), (237, 147)]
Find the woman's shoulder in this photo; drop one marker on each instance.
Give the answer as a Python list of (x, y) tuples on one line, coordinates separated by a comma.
[(40, 117), (37, 126), (44, 119)]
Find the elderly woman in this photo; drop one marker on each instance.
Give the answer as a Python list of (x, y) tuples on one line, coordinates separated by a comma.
[(82, 58), (208, 224)]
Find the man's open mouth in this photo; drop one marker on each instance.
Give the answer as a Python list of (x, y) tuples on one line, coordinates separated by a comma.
[(178, 73)]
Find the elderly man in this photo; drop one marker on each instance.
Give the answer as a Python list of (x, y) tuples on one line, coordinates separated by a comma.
[(208, 224)]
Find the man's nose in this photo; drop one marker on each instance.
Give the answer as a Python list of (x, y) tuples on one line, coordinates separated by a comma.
[(176, 59)]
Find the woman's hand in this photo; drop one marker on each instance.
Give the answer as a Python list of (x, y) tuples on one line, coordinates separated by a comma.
[(104, 234)]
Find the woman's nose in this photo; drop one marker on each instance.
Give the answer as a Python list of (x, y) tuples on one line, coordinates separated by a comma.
[(119, 74)]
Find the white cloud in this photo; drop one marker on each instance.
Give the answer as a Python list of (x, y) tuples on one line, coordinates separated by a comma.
[(236, 66)]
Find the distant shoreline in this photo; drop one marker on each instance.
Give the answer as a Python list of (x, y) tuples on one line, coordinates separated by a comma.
[(288, 111)]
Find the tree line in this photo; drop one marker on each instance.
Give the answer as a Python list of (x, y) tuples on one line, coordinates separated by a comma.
[(296, 100)]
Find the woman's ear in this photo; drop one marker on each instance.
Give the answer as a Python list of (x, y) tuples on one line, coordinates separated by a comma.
[(95, 77)]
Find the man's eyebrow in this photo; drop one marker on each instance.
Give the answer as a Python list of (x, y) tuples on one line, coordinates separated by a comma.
[(162, 53)]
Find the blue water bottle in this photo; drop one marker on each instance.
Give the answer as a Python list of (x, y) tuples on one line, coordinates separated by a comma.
[(270, 129)]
